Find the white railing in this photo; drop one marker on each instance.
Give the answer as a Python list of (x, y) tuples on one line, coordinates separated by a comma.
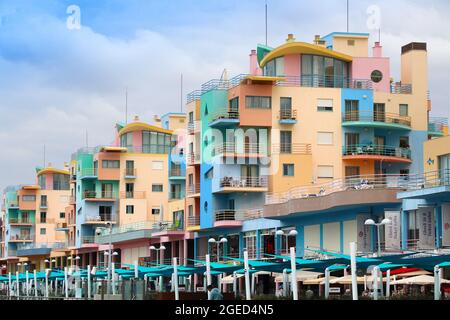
[(243, 148), (401, 182), (244, 182), (237, 215)]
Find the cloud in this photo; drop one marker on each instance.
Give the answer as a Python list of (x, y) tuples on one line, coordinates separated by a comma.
[(56, 84)]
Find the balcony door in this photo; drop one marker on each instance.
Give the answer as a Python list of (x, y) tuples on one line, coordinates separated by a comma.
[(130, 167), (250, 175), (285, 142), (129, 190), (379, 113), (105, 213), (107, 190), (285, 108), (351, 143), (351, 110)]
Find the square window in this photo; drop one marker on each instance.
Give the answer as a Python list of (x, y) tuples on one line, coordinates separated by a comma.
[(288, 170), (403, 110), (62, 215), (156, 211), (324, 105), (43, 231), (325, 138), (157, 188), (325, 172), (157, 165), (130, 210)]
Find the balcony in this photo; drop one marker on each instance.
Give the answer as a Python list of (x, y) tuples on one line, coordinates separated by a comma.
[(193, 190), (130, 173), (378, 153), (399, 88), (101, 219), (291, 148), (247, 150), (132, 195), (193, 222), (288, 116), (243, 184), (88, 173), (106, 196), (376, 120), (437, 126), (234, 218), (21, 221), (321, 81), (24, 238), (177, 173), (224, 119), (194, 127), (13, 205), (87, 240), (178, 195), (193, 158)]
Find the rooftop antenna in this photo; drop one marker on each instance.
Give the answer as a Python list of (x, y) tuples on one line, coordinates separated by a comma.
[(181, 94), (44, 156), (126, 105), (348, 5), (266, 23)]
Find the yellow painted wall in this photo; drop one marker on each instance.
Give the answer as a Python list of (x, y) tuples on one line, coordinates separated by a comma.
[(432, 149), (304, 100), (350, 234), (331, 236), (360, 49), (312, 237)]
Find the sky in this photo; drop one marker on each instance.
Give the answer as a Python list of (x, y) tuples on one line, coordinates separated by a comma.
[(59, 84)]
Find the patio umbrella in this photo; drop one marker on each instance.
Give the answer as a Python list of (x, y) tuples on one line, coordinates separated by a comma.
[(419, 280)]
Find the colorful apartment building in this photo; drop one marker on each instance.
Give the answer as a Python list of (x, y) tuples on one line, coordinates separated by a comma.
[(316, 137), (34, 219)]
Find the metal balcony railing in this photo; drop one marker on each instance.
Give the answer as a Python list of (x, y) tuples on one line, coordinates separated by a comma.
[(364, 182), (376, 150), (322, 81), (437, 124), (241, 149), (384, 117), (132, 195), (88, 172), (21, 220), (49, 245), (291, 148), (106, 195), (193, 221), (13, 204), (87, 239), (102, 218), (130, 172), (237, 215), (194, 95), (399, 88), (22, 237), (193, 158), (176, 171), (192, 189), (176, 195), (193, 127), (225, 115), (288, 114), (244, 182)]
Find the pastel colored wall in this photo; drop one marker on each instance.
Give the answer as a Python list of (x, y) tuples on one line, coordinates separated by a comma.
[(362, 69)]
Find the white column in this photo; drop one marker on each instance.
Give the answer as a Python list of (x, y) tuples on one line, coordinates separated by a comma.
[(253, 277), (28, 283), (35, 283), (235, 284), (89, 289), (17, 284), (353, 270), (247, 276), (136, 270), (219, 282), (9, 284), (388, 283), (208, 269), (285, 283), (66, 283), (294, 274), (381, 286), (47, 271), (175, 279), (437, 283), (375, 273), (327, 283), (365, 282), (113, 277)]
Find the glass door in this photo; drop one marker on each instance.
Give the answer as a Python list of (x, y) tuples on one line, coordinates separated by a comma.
[(351, 143), (379, 113), (351, 110), (107, 191), (130, 168)]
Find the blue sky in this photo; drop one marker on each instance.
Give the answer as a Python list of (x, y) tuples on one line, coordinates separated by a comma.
[(56, 83)]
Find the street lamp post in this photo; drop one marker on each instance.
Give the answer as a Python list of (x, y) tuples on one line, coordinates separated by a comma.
[(371, 222), (110, 268), (212, 241), (292, 233), (153, 248)]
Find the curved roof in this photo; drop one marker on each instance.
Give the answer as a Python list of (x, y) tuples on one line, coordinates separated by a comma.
[(303, 48), (52, 170), (136, 126)]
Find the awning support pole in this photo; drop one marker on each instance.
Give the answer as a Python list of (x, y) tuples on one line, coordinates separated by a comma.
[(353, 270), (294, 274), (437, 283), (247, 276), (327, 283)]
